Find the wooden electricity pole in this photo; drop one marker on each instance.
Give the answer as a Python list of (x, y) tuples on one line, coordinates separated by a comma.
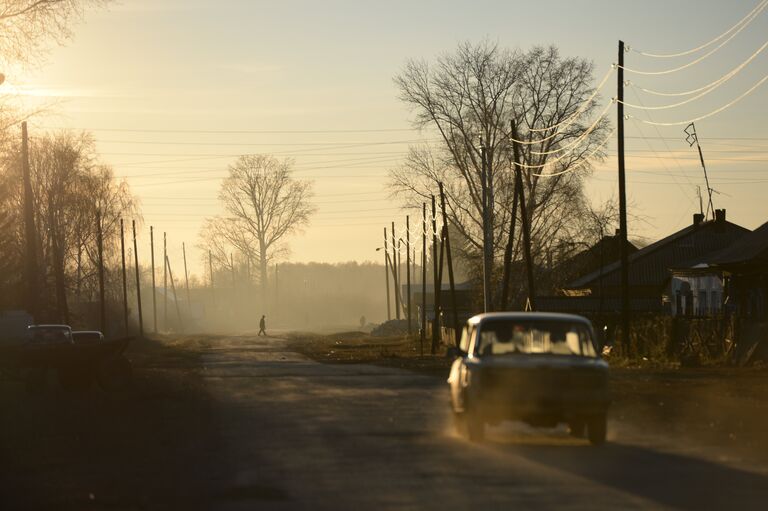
[(210, 271), (386, 274), (437, 284), (154, 292), (451, 282), (408, 269), (138, 279), (423, 277), (394, 274), (624, 254), (100, 252), (487, 247), (520, 191), (125, 280), (186, 275), (175, 298), (165, 281), (30, 232)]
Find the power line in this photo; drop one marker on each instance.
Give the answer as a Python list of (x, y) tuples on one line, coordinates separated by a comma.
[(760, 5), (696, 61), (232, 132), (710, 114), (715, 86), (715, 83)]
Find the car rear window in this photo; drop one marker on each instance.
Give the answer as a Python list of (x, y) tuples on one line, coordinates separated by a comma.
[(553, 337)]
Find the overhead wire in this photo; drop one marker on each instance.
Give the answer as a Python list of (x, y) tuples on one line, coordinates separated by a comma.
[(759, 5), (710, 114), (721, 81), (699, 59), (577, 167), (725, 77)]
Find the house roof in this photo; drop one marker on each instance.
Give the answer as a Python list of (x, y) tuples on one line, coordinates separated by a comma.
[(749, 247), (650, 265), (607, 250)]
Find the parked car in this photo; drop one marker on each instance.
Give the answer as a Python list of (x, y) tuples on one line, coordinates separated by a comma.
[(48, 335), (79, 358), (540, 368)]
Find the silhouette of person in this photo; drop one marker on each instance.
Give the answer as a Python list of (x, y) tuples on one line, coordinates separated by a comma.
[(263, 325)]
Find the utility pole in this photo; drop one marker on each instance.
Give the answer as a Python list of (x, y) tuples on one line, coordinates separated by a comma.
[(186, 275), (175, 298), (509, 249), (210, 271), (408, 269), (451, 281), (487, 248), (437, 284), (394, 274), (520, 191), (30, 233), (165, 282), (386, 274), (125, 280), (102, 298), (423, 278), (138, 280), (625, 312), (154, 292)]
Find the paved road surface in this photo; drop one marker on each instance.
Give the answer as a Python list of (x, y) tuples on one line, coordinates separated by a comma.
[(274, 430)]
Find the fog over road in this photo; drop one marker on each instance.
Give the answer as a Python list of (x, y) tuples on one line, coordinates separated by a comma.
[(273, 430)]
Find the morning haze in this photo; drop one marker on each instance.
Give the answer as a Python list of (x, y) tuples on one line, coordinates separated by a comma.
[(245, 244)]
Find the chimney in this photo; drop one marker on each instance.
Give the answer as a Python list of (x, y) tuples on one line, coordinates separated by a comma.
[(719, 215), (698, 218)]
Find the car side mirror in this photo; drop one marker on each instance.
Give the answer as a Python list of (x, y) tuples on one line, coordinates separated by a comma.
[(454, 352)]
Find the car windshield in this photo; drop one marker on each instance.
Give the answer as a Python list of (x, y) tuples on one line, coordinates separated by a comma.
[(553, 337)]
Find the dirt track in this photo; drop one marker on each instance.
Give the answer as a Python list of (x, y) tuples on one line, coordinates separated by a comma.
[(244, 423)]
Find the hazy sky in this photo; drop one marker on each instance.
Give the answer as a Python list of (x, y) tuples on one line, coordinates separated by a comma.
[(144, 75)]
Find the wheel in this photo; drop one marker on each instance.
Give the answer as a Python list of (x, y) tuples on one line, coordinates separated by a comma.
[(576, 428), (75, 379), (114, 374), (597, 429)]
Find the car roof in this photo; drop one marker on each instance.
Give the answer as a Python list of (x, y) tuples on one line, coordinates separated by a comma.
[(528, 316)]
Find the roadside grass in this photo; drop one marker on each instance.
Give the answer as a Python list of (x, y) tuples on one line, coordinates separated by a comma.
[(400, 351)]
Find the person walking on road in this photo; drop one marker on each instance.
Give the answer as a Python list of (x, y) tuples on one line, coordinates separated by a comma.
[(263, 325)]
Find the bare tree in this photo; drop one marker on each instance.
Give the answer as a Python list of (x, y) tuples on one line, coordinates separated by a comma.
[(69, 186), (263, 205), (27, 25), (470, 98)]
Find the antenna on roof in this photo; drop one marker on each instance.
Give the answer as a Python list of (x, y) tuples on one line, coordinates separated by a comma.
[(693, 138), (701, 204)]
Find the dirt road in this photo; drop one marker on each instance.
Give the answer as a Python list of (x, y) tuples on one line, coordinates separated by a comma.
[(243, 423)]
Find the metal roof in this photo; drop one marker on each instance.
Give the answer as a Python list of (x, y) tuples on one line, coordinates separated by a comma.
[(650, 266)]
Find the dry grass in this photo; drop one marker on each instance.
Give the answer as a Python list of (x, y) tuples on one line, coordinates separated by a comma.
[(403, 352)]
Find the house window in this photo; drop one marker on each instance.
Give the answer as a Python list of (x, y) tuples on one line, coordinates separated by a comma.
[(703, 309), (715, 303)]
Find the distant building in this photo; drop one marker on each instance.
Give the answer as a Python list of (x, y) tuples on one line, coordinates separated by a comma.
[(649, 270), (734, 278)]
